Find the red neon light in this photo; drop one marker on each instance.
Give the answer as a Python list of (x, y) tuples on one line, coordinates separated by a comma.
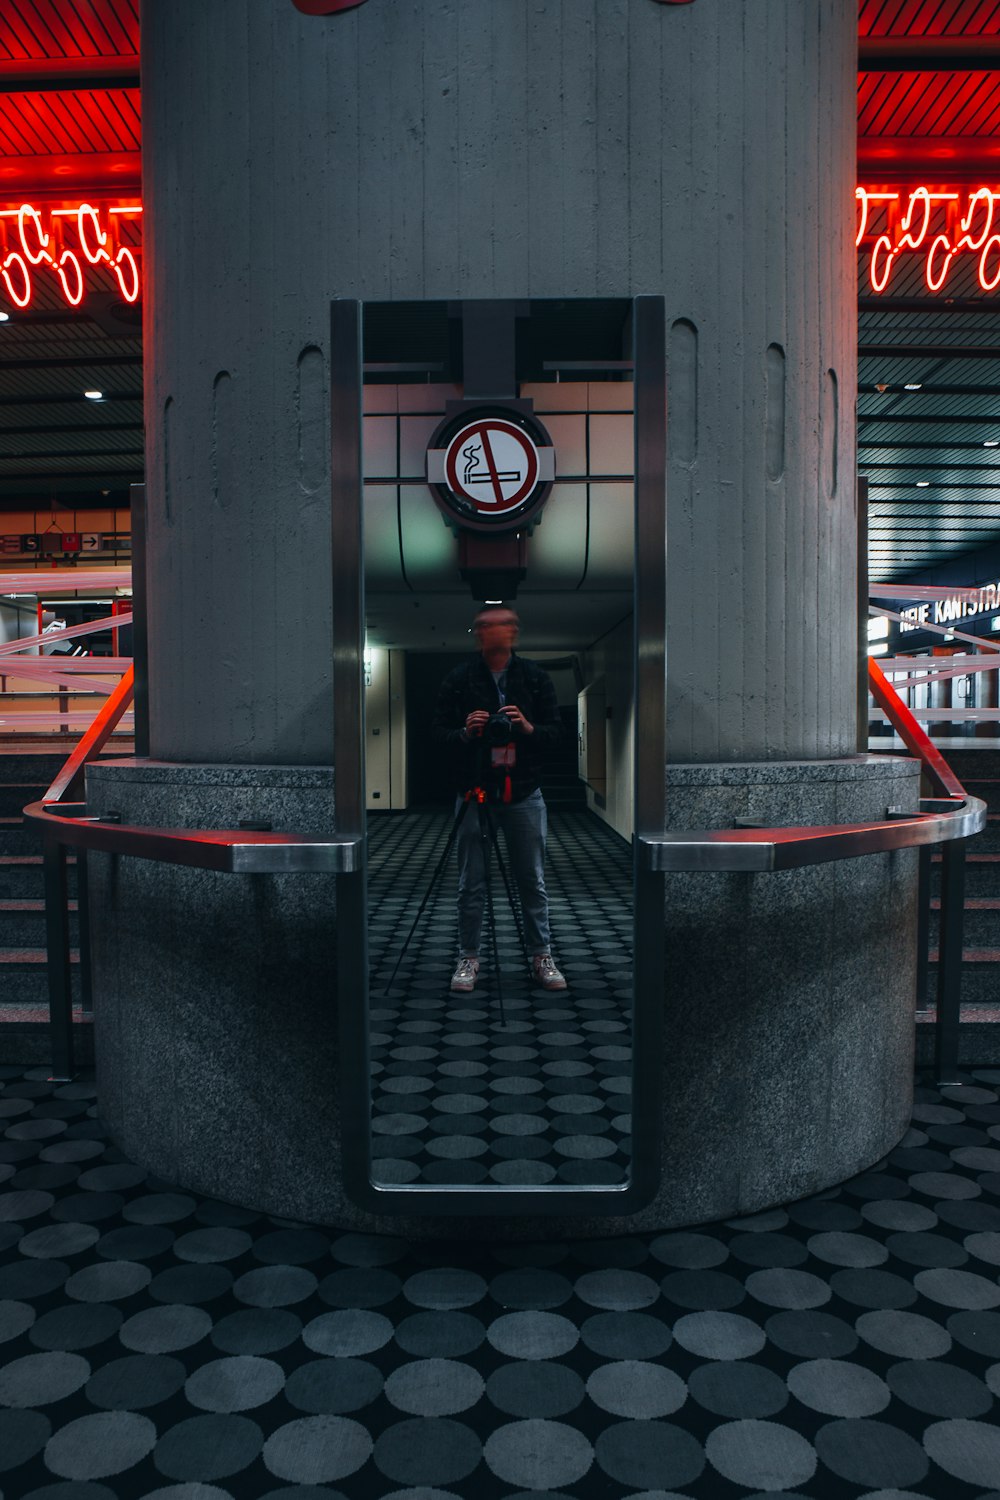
[(942, 223), (64, 241)]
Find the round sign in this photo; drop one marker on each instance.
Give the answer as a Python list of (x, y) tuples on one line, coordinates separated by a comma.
[(492, 465)]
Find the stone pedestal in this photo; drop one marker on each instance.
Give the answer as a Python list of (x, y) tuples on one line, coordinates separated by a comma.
[(787, 1046)]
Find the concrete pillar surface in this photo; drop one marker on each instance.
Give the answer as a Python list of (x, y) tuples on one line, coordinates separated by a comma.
[(563, 148)]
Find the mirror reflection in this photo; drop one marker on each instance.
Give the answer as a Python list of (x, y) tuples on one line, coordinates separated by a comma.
[(499, 795)]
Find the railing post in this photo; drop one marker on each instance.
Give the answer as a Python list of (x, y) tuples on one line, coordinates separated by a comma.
[(923, 922), (57, 946), (949, 989), (83, 927)]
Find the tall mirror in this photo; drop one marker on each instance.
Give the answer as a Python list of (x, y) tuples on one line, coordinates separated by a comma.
[(507, 1071)]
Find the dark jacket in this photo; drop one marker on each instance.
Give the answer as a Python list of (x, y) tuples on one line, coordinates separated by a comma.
[(471, 686)]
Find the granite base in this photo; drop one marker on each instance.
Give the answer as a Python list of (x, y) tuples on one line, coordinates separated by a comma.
[(787, 1042)]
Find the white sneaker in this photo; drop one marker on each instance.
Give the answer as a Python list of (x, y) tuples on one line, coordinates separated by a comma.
[(545, 973), (464, 978)]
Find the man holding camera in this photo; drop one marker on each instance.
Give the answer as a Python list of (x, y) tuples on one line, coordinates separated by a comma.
[(504, 761)]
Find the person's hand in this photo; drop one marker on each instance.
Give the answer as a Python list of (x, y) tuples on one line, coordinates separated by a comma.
[(517, 719), (475, 721)]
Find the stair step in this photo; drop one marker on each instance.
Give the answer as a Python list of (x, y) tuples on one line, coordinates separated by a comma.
[(21, 876), (24, 977), (22, 923)]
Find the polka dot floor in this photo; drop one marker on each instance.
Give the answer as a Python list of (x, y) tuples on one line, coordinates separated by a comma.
[(466, 1089), (155, 1343)]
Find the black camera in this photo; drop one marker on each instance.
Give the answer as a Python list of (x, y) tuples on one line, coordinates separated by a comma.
[(498, 730)]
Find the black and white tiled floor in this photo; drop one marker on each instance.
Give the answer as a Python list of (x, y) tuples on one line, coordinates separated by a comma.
[(155, 1343), (464, 1092)]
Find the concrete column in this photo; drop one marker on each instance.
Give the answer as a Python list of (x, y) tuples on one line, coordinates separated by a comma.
[(559, 148), (419, 149)]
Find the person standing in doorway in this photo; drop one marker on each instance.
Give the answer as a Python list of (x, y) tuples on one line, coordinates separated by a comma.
[(497, 682)]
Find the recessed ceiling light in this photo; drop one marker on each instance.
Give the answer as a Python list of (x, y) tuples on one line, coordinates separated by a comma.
[(992, 443), (4, 317), (923, 484), (94, 395), (913, 385)]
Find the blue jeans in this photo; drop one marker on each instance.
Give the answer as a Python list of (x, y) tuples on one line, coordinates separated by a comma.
[(524, 827)]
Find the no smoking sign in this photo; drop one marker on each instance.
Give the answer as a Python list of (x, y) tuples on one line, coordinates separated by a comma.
[(488, 471)]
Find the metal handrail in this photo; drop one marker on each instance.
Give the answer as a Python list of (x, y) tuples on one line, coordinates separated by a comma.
[(765, 849), (236, 851)]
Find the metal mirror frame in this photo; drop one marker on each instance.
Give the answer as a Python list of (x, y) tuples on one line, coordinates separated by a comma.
[(650, 1029)]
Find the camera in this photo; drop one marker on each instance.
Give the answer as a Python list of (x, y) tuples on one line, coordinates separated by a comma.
[(498, 730)]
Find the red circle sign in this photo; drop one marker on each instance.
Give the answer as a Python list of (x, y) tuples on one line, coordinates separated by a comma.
[(492, 465)]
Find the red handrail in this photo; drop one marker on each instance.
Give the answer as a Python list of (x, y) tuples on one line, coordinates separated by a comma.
[(69, 779), (910, 732)]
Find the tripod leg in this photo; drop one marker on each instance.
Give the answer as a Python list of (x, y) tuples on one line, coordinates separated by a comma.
[(431, 884), (485, 825), (514, 907)]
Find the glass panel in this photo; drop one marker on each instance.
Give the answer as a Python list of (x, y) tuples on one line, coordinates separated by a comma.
[(510, 1082)]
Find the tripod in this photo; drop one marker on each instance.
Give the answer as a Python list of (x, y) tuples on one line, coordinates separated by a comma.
[(475, 796)]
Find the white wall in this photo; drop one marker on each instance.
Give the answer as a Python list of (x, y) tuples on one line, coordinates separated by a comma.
[(385, 730), (611, 659)]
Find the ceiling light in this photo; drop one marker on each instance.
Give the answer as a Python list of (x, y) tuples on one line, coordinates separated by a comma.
[(992, 443), (4, 317), (923, 484), (94, 395), (913, 385), (881, 388)]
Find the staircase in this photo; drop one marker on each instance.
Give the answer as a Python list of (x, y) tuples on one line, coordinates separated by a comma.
[(25, 775), (979, 772)]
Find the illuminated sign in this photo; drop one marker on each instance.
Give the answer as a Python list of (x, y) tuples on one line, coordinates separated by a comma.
[(490, 469), (956, 607), (940, 223), (63, 243)]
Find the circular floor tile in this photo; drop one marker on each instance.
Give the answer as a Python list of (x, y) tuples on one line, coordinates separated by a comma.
[(258, 1330), (636, 1389), (76, 1326), (761, 1455), (649, 1455), (237, 1383), (939, 1390), (274, 1286), (532, 1335), (15, 1319), (719, 1335), (22, 1435), (136, 1382), (96, 1447), (961, 1289), (966, 1450), (535, 1388), (40, 1379), (904, 1334), (617, 1290), (731, 1388), (315, 1450), (333, 1386), (626, 1335), (788, 1288), (427, 1451), (811, 1335), (872, 1454), (349, 1332), (689, 1252), (108, 1281), (162, 1330), (434, 1387), (538, 1455), (838, 1388), (208, 1448), (978, 1331)]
